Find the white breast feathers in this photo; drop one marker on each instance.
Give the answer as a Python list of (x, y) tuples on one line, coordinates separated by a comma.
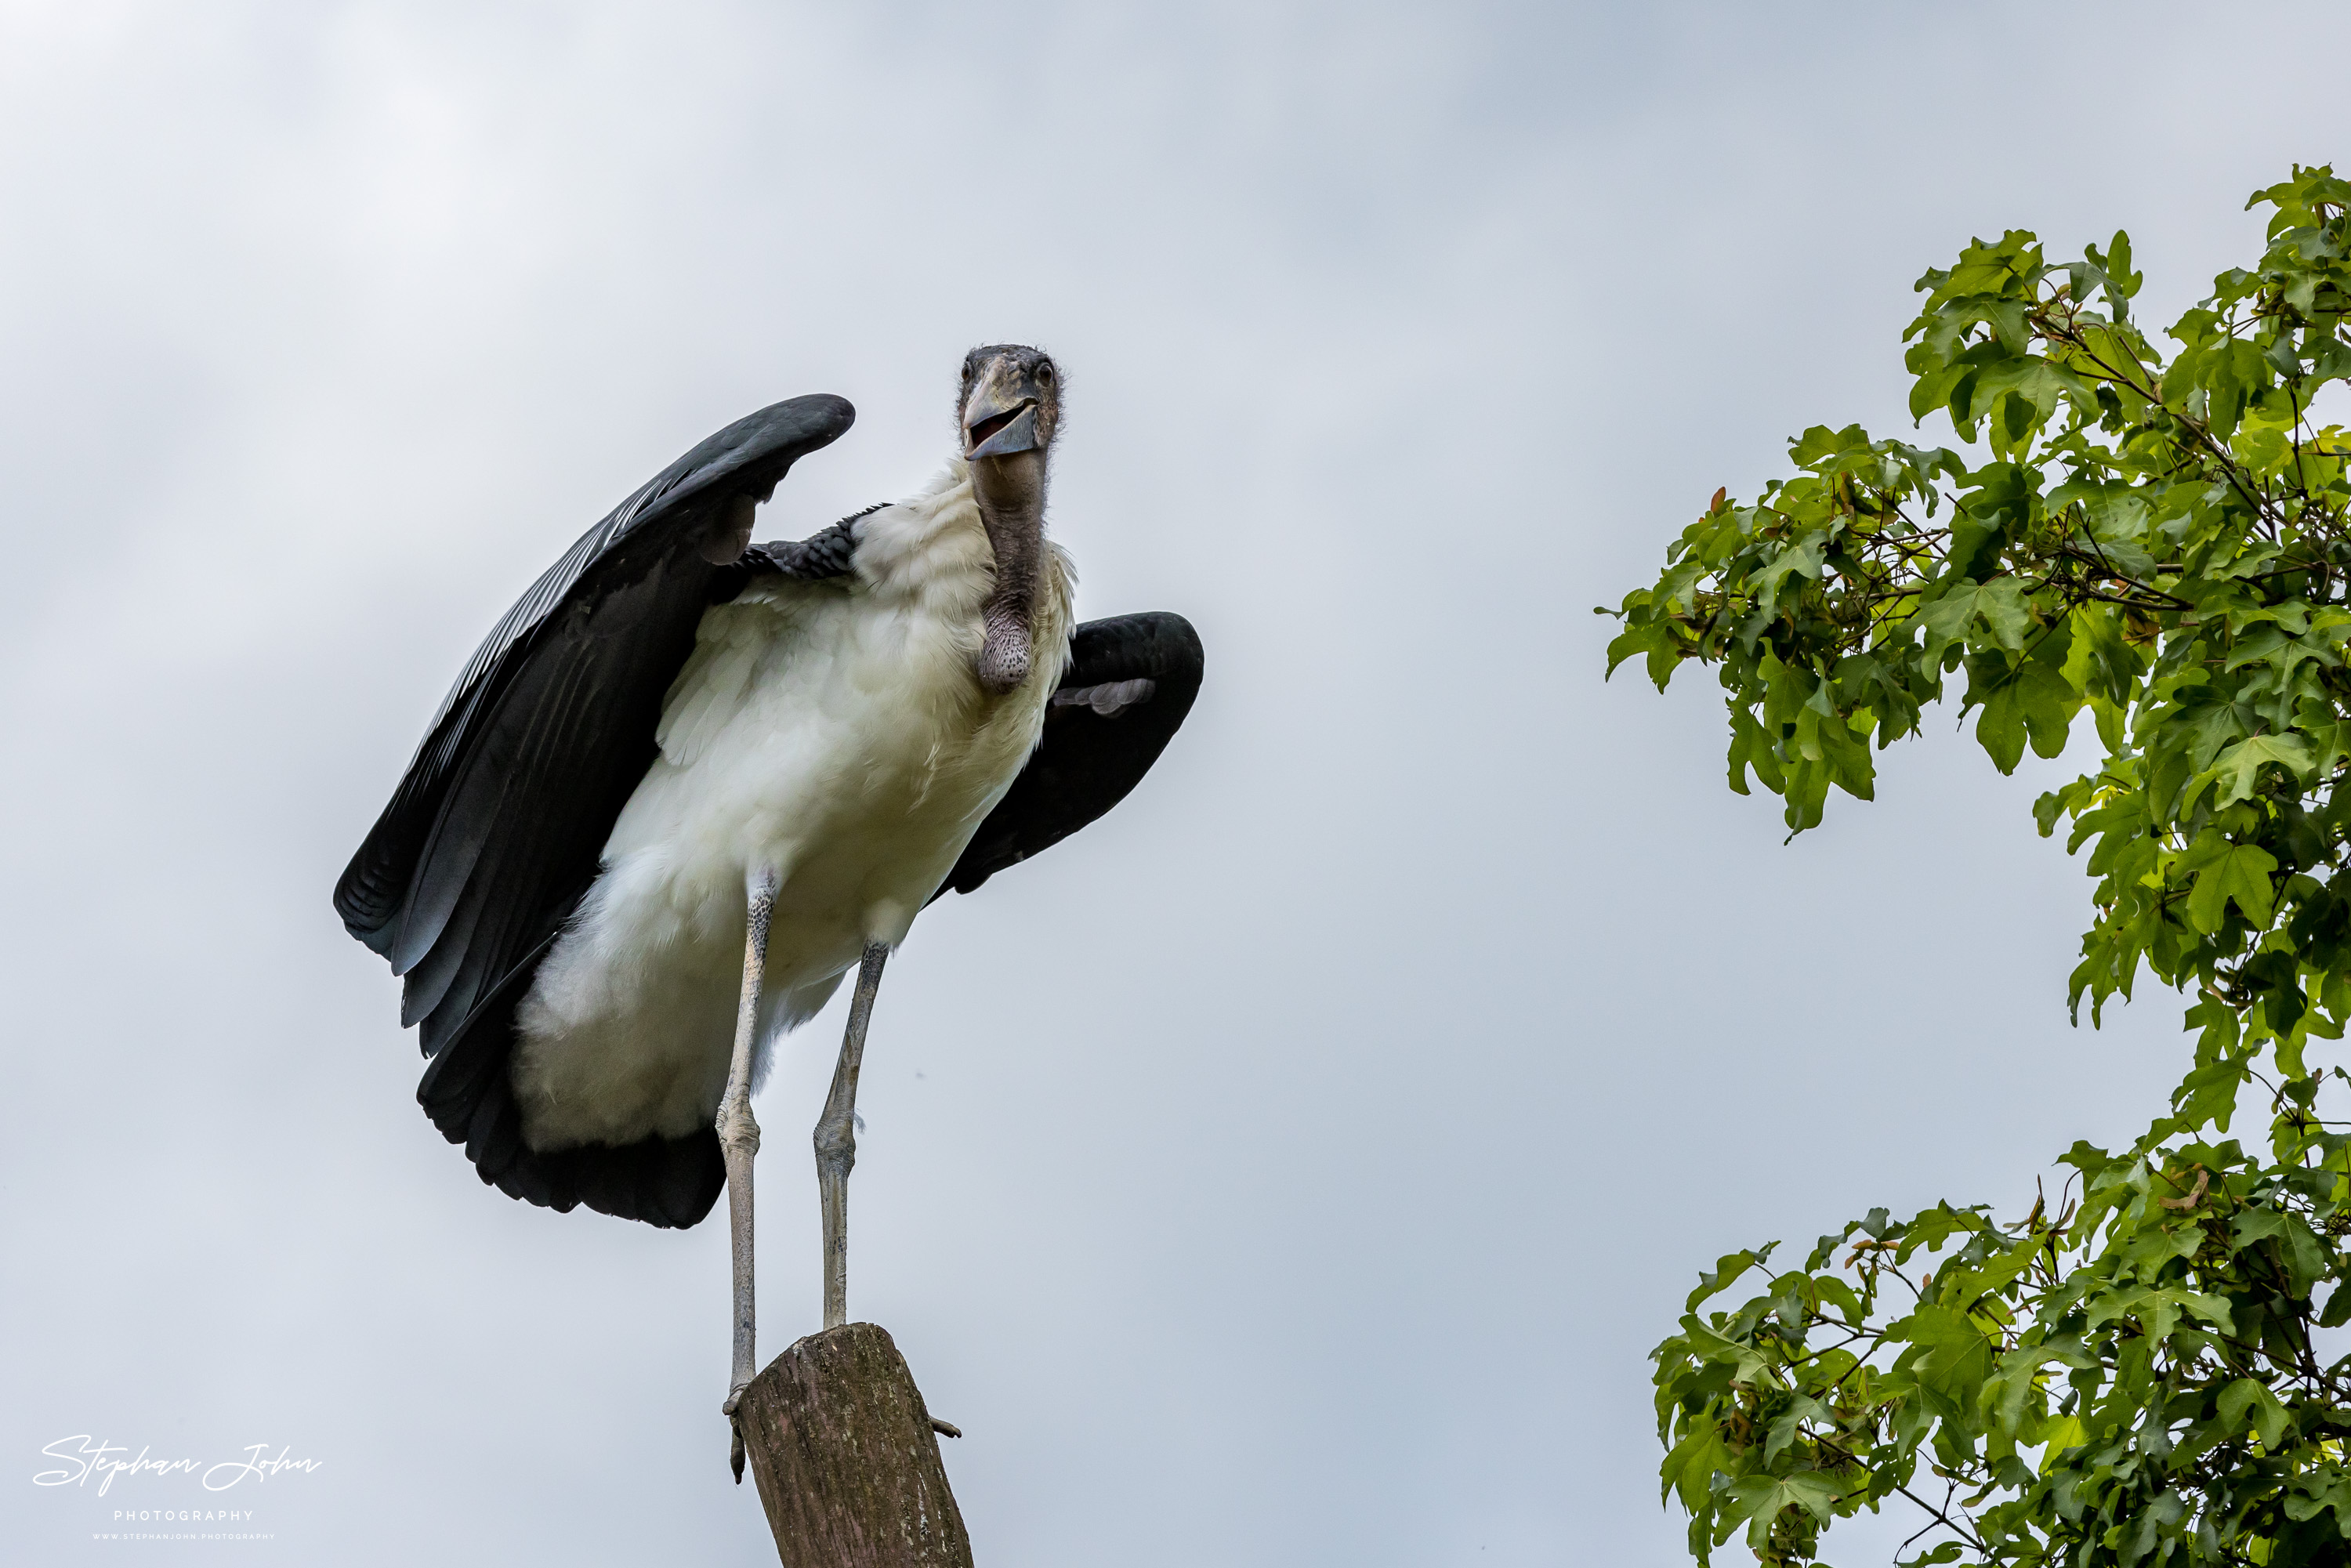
[(833, 733)]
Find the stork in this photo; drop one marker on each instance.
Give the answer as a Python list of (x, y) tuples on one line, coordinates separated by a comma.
[(689, 782)]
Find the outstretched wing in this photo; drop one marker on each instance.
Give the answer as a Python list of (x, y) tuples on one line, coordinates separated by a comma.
[(1131, 681), (497, 829)]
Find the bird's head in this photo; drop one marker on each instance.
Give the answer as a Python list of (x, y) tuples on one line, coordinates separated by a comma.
[(1010, 402)]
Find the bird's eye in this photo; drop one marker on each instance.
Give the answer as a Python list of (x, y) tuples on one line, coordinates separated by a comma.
[(1045, 372)]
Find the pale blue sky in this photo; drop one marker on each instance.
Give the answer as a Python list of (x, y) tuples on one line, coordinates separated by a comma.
[(1319, 1205)]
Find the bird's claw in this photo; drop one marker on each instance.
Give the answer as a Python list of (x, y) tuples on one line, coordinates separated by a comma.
[(735, 1426)]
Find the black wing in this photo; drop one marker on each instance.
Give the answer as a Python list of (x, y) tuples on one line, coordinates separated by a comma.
[(497, 829), (1131, 679)]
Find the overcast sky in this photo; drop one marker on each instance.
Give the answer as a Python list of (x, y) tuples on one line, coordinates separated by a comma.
[(1297, 1166)]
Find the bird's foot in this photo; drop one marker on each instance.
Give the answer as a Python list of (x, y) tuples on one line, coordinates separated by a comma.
[(733, 1408)]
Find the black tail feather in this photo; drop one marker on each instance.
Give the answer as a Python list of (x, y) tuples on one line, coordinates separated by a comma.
[(668, 1182)]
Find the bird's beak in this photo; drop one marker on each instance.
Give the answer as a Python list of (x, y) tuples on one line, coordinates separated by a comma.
[(1000, 415)]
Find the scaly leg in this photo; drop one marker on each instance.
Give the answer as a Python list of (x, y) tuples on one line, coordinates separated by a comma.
[(836, 1138), (738, 1137)]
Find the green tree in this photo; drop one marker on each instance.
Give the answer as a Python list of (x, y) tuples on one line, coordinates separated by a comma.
[(2138, 1373)]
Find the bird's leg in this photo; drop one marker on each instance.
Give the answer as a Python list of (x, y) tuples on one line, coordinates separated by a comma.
[(739, 1138), (836, 1138)]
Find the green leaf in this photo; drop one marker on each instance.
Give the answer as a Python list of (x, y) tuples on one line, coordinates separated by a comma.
[(1998, 606), (2067, 1433), (2269, 1415), (1947, 619), (2238, 873), (2238, 769), (1955, 1355), (2001, 602), (1726, 1272), (2160, 1309), (1803, 559), (1690, 1467), (1760, 1498), (2032, 701)]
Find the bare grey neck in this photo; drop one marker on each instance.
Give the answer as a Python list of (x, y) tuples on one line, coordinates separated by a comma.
[(1011, 491)]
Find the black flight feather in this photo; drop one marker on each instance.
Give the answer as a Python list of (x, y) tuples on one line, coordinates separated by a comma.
[(495, 833), (1090, 759)]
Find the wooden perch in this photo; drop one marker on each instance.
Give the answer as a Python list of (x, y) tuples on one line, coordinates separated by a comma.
[(847, 1458)]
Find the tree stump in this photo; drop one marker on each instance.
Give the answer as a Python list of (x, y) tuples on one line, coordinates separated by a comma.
[(846, 1458)]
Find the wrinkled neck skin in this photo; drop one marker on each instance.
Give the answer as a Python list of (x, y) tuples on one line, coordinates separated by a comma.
[(1012, 495)]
